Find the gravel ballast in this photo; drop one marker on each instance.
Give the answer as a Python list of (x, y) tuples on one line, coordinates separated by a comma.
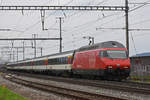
[(109, 92), (38, 95), (29, 93)]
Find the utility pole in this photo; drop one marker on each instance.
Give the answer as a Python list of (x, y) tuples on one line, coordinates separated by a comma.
[(13, 56), (60, 23), (10, 57), (60, 19), (34, 36), (17, 54), (42, 19), (127, 25), (41, 51), (23, 51)]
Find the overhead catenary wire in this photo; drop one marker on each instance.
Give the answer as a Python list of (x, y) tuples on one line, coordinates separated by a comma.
[(39, 21), (33, 25), (145, 3), (136, 29), (45, 18)]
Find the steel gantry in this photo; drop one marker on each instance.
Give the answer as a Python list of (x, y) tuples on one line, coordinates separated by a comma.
[(102, 8)]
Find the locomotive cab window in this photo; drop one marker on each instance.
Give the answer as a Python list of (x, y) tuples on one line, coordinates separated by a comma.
[(114, 54), (103, 54)]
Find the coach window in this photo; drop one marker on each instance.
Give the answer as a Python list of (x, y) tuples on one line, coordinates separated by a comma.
[(70, 60), (101, 54), (40, 62), (49, 61), (62, 60), (27, 63), (54, 60), (36, 62), (66, 60), (58, 60), (20, 64)]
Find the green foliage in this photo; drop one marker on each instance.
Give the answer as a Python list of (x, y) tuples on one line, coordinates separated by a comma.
[(140, 78), (6, 94)]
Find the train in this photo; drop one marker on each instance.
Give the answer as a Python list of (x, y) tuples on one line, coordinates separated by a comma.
[(106, 60)]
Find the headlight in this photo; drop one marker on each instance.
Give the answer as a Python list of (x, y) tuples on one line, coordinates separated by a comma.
[(110, 66)]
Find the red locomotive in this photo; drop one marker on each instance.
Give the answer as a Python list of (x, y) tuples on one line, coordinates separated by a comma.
[(107, 60)]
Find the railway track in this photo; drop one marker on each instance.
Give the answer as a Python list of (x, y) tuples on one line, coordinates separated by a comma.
[(66, 92), (125, 86)]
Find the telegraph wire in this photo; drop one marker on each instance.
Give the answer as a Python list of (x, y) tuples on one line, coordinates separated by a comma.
[(138, 3)]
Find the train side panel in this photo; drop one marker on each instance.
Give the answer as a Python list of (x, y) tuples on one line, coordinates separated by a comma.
[(85, 63)]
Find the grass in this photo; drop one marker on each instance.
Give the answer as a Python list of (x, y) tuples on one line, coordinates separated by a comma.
[(6, 94), (140, 78)]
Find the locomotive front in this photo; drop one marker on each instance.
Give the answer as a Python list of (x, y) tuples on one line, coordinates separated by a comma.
[(115, 62)]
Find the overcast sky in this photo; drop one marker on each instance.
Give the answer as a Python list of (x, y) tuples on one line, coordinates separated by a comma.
[(76, 25)]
